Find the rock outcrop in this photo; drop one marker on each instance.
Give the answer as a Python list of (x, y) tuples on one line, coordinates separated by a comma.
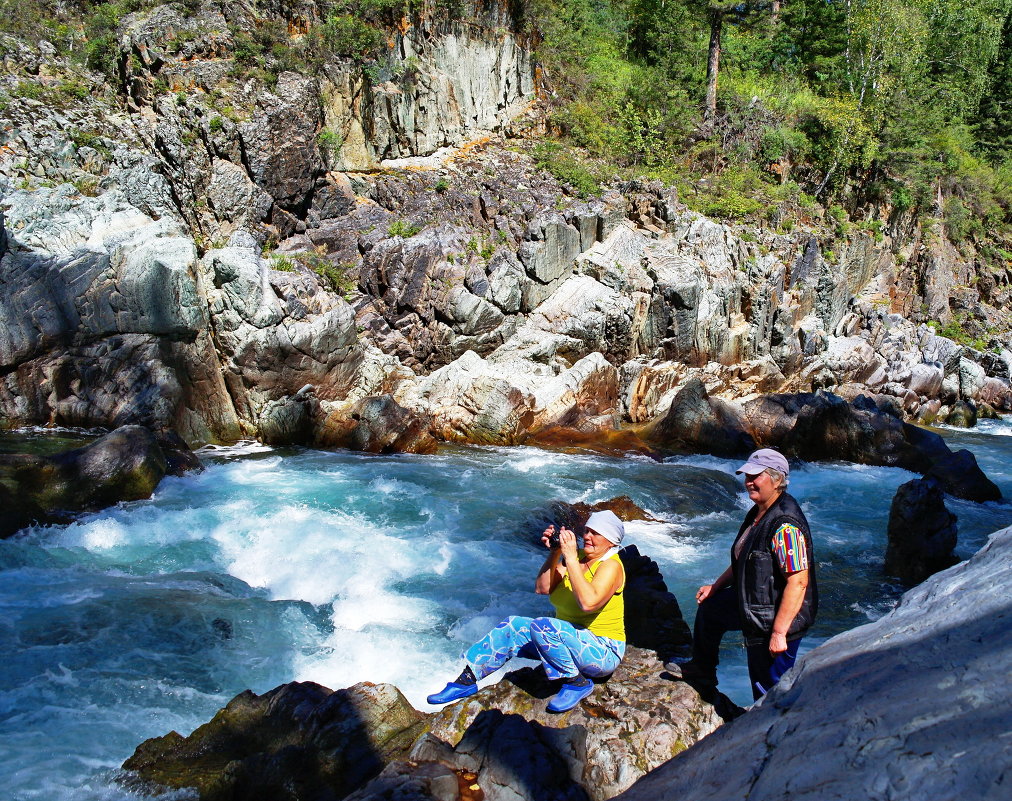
[(124, 465), (202, 256), (922, 532), (914, 705), (817, 427), (302, 741), (299, 741)]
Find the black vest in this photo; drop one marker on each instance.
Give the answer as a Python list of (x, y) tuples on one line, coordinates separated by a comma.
[(758, 579)]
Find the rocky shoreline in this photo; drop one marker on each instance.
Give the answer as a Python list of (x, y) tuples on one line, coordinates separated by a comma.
[(912, 706)]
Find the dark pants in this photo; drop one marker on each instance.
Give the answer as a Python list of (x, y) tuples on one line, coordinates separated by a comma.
[(718, 615)]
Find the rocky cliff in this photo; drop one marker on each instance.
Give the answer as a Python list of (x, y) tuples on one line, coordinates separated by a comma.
[(293, 244), (915, 705)]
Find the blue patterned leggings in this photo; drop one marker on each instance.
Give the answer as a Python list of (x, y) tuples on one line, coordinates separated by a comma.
[(563, 649)]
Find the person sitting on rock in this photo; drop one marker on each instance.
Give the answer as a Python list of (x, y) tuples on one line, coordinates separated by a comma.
[(586, 638), (768, 591)]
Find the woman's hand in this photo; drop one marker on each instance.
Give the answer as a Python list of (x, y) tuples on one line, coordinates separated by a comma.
[(546, 536), (567, 542), (703, 593)]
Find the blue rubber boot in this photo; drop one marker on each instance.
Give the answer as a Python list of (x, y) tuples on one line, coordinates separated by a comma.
[(571, 694), (452, 692)]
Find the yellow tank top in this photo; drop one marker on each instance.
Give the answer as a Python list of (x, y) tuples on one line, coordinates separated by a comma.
[(609, 621)]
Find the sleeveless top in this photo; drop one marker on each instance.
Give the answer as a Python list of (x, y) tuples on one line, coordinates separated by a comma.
[(608, 621)]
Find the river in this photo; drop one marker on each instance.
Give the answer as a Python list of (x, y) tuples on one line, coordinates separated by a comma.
[(338, 567)]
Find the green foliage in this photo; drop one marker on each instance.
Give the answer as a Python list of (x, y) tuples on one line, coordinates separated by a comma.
[(350, 35), (441, 185), (215, 124), (566, 168), (403, 229), (957, 330), (330, 141), (282, 263)]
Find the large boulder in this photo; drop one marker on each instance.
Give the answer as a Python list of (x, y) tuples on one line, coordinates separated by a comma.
[(297, 742), (697, 422), (922, 532), (960, 475), (913, 706), (630, 724), (125, 465)]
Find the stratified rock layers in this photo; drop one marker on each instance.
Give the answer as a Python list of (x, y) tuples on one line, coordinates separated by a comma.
[(913, 706)]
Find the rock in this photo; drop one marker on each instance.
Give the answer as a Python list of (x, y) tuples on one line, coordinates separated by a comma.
[(914, 705), (822, 426), (962, 414), (413, 781), (922, 532), (124, 465), (698, 422), (959, 475), (630, 724), (376, 424), (297, 742)]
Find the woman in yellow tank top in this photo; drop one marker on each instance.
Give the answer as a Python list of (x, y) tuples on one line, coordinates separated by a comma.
[(586, 638)]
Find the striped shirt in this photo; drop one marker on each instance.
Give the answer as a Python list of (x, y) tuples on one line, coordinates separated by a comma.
[(790, 549)]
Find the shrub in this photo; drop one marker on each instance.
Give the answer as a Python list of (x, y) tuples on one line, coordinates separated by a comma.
[(402, 228), (566, 168)]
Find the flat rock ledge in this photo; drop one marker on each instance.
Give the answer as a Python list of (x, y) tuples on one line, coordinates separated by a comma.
[(302, 741), (913, 706)]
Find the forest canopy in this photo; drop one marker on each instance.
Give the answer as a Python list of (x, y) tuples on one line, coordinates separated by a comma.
[(883, 105)]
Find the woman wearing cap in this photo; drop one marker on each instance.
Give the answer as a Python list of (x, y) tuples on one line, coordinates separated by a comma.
[(586, 638), (768, 591)]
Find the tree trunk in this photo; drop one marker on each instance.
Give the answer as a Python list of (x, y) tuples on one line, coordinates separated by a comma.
[(713, 66), (775, 11)]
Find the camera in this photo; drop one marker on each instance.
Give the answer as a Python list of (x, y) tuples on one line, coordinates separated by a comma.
[(553, 541)]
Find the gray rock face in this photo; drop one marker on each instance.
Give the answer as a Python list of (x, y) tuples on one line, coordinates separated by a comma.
[(915, 705), (922, 532), (105, 321), (464, 83)]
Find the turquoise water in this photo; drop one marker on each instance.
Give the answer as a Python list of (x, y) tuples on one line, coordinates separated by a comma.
[(336, 567)]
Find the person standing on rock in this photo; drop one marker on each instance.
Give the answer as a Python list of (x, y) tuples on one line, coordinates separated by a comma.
[(585, 640), (768, 592)]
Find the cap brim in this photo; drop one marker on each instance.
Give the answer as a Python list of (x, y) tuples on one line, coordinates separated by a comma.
[(751, 469)]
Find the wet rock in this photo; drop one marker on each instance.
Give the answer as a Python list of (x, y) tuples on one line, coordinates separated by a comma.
[(297, 742), (695, 421), (960, 475), (922, 532), (914, 705), (414, 781), (822, 426), (962, 414), (124, 465)]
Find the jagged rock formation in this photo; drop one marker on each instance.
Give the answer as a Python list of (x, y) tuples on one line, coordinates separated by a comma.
[(914, 705), (817, 426), (462, 296)]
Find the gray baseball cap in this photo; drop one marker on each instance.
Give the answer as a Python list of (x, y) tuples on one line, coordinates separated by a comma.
[(763, 458)]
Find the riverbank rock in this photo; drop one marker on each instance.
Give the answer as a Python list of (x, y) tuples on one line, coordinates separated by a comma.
[(922, 532), (297, 742), (960, 475), (124, 465), (501, 741), (631, 723), (913, 706)]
